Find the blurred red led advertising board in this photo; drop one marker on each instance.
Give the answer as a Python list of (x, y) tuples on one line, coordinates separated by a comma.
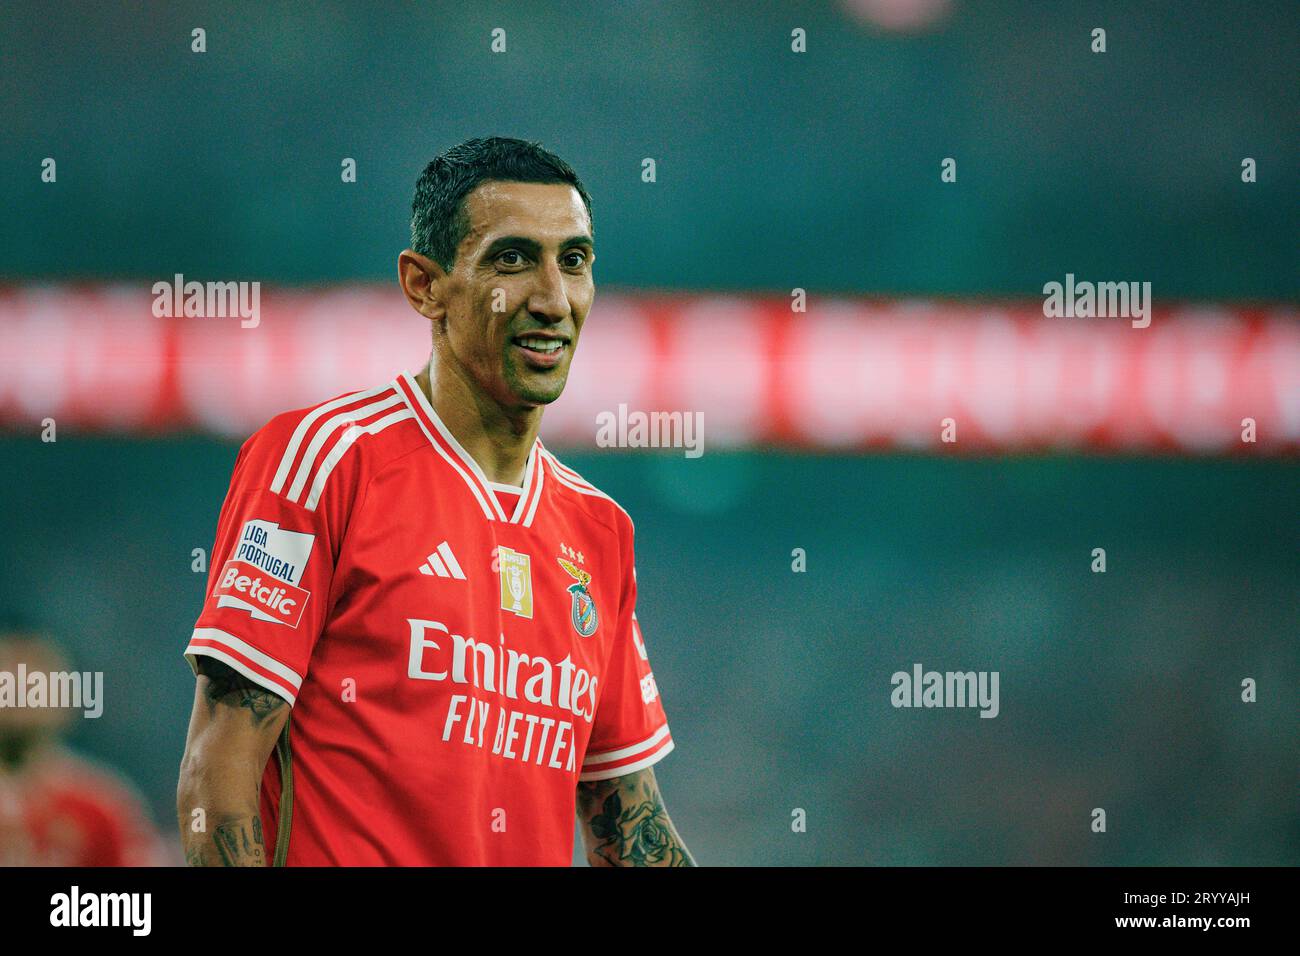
[(844, 375)]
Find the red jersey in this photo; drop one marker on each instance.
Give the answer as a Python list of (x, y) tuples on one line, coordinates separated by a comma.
[(64, 810), (455, 666)]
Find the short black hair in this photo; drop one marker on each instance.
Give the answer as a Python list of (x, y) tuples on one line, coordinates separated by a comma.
[(438, 219)]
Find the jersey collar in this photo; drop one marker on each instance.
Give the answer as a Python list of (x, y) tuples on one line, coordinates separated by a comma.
[(446, 445)]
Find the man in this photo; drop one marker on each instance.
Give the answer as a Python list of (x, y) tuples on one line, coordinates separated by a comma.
[(427, 616)]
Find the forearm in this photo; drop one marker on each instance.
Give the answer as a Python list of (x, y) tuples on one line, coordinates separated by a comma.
[(217, 809), (233, 730), (624, 823), (672, 853)]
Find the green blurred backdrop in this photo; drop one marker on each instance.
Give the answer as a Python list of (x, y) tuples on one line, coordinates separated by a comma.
[(775, 170)]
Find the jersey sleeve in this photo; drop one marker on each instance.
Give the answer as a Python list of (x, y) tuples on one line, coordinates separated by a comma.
[(630, 731), (272, 564)]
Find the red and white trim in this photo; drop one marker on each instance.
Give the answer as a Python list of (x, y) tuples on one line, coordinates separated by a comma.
[(574, 481), (290, 456), (350, 435), (625, 760), (309, 466), (446, 445), (257, 666), (342, 423), (534, 477)]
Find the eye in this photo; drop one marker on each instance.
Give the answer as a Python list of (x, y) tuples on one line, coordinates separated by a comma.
[(511, 258), (574, 259)]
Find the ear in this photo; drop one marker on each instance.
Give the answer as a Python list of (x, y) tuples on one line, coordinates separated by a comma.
[(421, 281)]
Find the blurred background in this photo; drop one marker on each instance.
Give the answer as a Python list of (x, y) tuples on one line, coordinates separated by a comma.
[(798, 271)]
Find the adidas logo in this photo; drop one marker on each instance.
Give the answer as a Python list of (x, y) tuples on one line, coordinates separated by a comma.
[(443, 564)]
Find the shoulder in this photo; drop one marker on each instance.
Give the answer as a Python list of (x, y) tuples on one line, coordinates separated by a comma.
[(577, 492), (339, 442)]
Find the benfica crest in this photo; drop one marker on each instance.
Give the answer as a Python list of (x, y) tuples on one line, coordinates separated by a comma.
[(583, 610)]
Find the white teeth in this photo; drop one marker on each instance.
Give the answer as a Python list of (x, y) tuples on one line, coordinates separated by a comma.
[(542, 345)]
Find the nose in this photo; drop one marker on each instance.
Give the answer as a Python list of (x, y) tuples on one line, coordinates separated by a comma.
[(548, 301)]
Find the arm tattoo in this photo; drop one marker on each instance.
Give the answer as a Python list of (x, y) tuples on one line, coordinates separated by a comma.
[(227, 686), (240, 842), (625, 823)]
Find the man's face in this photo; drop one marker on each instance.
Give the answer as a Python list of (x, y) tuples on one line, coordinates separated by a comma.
[(520, 290)]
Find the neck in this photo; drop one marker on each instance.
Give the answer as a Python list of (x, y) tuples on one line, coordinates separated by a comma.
[(498, 439)]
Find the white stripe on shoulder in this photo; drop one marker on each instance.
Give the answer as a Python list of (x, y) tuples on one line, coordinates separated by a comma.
[(566, 470), (343, 444), (345, 420), (304, 426), (562, 474)]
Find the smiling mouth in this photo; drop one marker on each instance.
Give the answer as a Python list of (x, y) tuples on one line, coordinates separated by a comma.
[(536, 343), (541, 351)]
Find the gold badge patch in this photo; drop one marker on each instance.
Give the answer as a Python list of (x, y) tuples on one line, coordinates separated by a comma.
[(516, 582)]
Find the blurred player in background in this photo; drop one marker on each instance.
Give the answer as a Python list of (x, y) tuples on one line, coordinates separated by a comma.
[(57, 808), (448, 610)]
